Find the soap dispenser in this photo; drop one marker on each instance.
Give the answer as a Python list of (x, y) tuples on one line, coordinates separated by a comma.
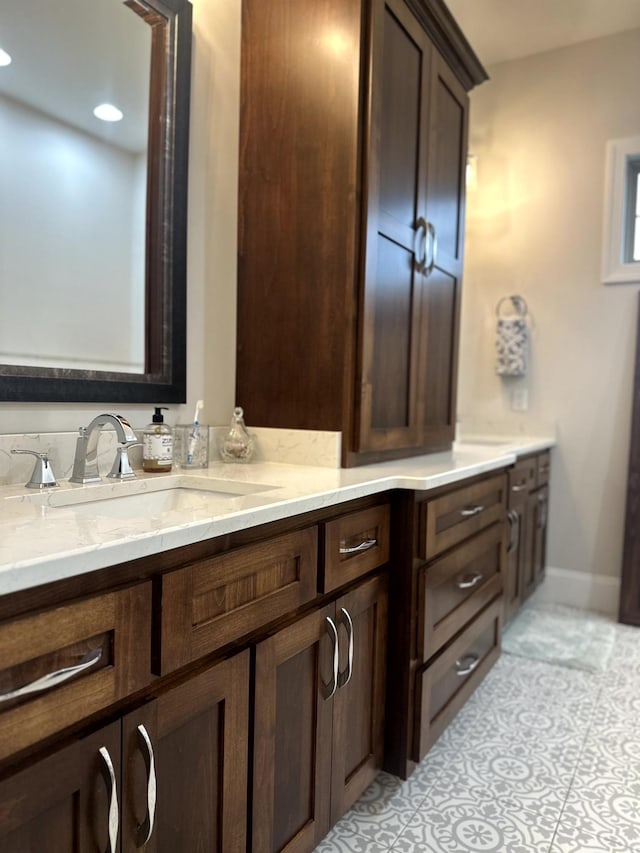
[(157, 445)]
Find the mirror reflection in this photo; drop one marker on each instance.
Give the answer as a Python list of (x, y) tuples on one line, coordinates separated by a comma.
[(74, 186)]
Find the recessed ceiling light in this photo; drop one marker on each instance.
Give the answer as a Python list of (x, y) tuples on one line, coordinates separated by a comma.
[(5, 59), (107, 112)]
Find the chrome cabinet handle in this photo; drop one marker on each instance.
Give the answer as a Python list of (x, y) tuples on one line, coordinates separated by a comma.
[(471, 511), (345, 677), (329, 689), (542, 518), (114, 816), (146, 748), (514, 534), (420, 263), (52, 679), (434, 249), (469, 581), (467, 664), (519, 487), (366, 545)]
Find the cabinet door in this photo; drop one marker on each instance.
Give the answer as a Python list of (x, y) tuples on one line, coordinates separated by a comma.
[(66, 802), (358, 722), (292, 735), (196, 740), (441, 291), (395, 230)]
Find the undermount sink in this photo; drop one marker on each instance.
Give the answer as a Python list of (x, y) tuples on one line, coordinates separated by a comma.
[(146, 497)]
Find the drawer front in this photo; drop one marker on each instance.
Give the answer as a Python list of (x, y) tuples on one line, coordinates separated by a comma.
[(86, 655), (522, 477), (452, 518), (543, 469), (354, 545), (218, 600), (445, 685), (454, 588)]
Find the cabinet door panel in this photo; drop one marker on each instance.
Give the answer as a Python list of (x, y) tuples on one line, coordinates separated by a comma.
[(292, 737), (395, 239), (441, 295), (199, 736), (358, 728), (392, 378), (61, 804), (447, 162)]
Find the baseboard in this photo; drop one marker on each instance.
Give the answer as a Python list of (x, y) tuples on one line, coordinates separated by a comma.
[(598, 593)]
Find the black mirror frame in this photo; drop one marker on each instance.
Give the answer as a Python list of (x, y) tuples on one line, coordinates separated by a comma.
[(166, 286)]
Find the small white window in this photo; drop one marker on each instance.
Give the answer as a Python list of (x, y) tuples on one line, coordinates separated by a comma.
[(621, 239)]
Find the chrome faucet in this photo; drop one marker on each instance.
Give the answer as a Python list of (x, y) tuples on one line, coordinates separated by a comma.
[(85, 462)]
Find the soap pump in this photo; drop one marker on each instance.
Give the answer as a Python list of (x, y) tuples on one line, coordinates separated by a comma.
[(157, 445)]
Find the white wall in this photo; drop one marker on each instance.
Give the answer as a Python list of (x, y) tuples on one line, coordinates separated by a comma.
[(534, 223), (211, 276)]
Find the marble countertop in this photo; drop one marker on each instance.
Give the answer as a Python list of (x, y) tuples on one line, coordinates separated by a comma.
[(42, 539)]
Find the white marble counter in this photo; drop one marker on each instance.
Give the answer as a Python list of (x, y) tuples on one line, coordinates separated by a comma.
[(45, 541)]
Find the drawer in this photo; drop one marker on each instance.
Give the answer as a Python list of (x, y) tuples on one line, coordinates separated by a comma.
[(452, 518), (215, 601), (445, 685), (543, 469), (354, 544), (91, 653), (455, 587), (522, 477)]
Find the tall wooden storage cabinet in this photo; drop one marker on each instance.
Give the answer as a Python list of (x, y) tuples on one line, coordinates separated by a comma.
[(352, 157)]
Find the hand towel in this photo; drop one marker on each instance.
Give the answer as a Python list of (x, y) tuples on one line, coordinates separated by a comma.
[(512, 345)]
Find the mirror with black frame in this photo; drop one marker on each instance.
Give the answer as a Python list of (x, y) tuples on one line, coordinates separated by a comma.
[(94, 115)]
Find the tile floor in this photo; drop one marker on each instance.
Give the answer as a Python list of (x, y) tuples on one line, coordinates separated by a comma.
[(541, 759)]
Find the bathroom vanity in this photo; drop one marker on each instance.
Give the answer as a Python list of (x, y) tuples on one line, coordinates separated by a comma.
[(221, 676)]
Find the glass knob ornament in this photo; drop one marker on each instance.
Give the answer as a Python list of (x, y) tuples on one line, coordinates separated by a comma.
[(236, 445)]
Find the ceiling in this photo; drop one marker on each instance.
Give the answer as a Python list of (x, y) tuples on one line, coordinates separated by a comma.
[(71, 55), (501, 30)]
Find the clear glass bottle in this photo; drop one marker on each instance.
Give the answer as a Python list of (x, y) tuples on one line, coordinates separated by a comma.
[(157, 445), (236, 445)]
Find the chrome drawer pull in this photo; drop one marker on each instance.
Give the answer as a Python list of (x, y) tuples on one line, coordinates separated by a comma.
[(345, 677), (329, 689), (421, 263), (367, 545), (471, 511), (467, 664), (469, 581), (53, 678), (519, 487), (147, 752), (114, 816)]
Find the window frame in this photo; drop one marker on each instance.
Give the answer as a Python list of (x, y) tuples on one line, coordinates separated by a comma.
[(618, 213)]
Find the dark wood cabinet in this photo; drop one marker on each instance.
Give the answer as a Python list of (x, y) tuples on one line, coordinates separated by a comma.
[(318, 734), (62, 803), (170, 775), (527, 517), (445, 609), (352, 160), (414, 239)]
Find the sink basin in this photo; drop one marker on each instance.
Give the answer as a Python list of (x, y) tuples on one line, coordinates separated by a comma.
[(146, 497)]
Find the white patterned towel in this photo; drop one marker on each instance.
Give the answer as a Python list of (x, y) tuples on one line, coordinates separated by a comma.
[(512, 346)]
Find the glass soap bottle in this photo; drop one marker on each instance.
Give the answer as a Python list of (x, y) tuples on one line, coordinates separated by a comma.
[(237, 444), (157, 445)]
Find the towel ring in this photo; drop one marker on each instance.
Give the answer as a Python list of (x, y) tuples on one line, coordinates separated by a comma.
[(518, 302)]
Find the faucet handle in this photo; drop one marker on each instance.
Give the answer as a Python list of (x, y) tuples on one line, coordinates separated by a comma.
[(121, 468), (42, 476)]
